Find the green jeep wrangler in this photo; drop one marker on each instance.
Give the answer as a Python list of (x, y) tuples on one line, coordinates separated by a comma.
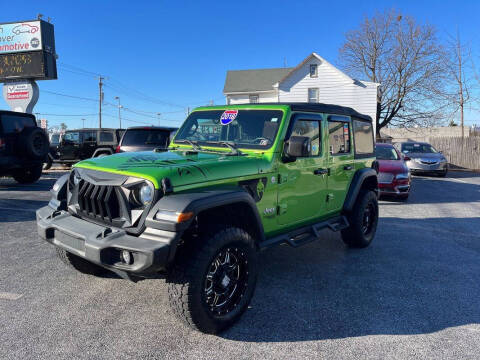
[(235, 180)]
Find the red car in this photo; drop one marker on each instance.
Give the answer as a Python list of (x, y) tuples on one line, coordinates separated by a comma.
[(394, 176)]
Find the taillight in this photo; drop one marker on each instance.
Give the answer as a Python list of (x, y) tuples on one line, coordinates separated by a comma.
[(117, 149), (2, 144), (406, 158)]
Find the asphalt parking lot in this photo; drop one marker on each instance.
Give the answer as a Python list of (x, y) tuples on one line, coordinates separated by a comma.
[(415, 293)]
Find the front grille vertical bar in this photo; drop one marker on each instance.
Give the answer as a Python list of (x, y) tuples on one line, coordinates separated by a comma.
[(99, 200), (106, 202)]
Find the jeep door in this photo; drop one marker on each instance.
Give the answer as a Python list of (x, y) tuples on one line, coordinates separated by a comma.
[(340, 160), (302, 183), (89, 144), (69, 146)]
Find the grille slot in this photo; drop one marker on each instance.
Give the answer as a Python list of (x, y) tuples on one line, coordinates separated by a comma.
[(97, 201)]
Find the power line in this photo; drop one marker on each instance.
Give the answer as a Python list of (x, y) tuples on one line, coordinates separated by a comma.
[(70, 96), (78, 69), (45, 114)]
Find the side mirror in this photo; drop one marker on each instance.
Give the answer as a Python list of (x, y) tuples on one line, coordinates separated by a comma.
[(298, 146)]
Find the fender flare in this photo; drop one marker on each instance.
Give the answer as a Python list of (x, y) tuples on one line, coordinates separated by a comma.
[(110, 152), (198, 202), (357, 182)]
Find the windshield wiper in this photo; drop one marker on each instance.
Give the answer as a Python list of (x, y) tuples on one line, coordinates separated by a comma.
[(193, 144), (232, 146)]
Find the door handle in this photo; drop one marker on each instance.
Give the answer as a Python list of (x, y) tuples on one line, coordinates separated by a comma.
[(348, 167), (320, 171)]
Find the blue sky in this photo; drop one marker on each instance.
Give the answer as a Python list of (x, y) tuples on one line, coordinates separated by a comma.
[(177, 52)]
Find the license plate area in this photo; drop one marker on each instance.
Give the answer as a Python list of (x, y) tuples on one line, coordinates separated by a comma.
[(70, 241)]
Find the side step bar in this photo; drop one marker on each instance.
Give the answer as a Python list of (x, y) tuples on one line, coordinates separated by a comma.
[(306, 234)]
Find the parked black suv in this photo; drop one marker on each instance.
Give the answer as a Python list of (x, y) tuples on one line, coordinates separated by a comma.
[(23, 147), (145, 138), (83, 144)]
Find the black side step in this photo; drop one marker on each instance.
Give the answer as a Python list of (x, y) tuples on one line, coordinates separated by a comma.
[(306, 234)]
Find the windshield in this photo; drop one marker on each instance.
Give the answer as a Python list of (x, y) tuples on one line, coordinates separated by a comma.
[(254, 129), (386, 153), (55, 139), (418, 148), (145, 137), (72, 137)]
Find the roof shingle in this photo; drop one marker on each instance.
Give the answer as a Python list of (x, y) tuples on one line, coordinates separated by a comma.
[(253, 80)]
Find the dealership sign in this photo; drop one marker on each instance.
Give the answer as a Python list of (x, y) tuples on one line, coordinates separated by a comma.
[(21, 95), (19, 37), (27, 51)]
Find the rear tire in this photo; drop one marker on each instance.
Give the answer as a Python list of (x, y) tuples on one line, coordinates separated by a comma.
[(28, 175), (79, 264), (363, 221), (33, 143), (209, 291)]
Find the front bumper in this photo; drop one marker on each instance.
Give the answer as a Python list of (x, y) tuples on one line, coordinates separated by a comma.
[(102, 245), (397, 190), (419, 167)]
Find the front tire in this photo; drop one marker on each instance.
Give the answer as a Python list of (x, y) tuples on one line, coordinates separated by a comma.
[(363, 221), (211, 285), (79, 264)]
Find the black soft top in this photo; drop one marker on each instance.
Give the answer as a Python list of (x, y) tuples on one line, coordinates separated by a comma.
[(16, 113), (146, 127), (324, 108)]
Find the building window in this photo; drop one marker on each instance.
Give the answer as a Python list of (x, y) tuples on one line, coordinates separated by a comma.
[(313, 95), (253, 99), (313, 70)]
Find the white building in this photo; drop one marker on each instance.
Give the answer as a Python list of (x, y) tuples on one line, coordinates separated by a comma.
[(313, 80)]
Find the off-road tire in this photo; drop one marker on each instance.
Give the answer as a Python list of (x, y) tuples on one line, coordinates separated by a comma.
[(187, 280), (28, 175), (358, 234), (79, 264), (33, 143)]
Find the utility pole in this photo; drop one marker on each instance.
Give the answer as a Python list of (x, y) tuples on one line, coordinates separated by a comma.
[(83, 123), (119, 107), (158, 114), (100, 98)]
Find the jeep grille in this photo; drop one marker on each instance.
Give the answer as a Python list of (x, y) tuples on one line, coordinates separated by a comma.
[(101, 202)]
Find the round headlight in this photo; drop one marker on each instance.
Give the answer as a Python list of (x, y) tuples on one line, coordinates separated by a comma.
[(146, 194)]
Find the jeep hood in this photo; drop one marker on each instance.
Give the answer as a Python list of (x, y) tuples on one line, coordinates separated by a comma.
[(182, 168)]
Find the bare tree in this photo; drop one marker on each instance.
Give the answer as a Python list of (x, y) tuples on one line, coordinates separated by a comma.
[(459, 74), (405, 58)]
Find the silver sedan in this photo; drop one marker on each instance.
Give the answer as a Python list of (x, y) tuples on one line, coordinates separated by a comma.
[(422, 157)]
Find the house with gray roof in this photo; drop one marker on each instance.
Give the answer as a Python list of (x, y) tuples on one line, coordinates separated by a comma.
[(313, 80)]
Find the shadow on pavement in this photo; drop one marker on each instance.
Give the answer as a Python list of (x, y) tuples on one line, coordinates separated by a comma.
[(45, 183), (419, 276), (18, 210), (426, 190)]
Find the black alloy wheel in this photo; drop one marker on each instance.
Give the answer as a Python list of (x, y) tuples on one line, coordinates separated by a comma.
[(226, 281)]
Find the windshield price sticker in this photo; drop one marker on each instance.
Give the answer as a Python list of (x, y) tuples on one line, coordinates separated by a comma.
[(228, 116)]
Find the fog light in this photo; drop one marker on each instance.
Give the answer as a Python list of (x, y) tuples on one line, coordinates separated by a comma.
[(127, 257)]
